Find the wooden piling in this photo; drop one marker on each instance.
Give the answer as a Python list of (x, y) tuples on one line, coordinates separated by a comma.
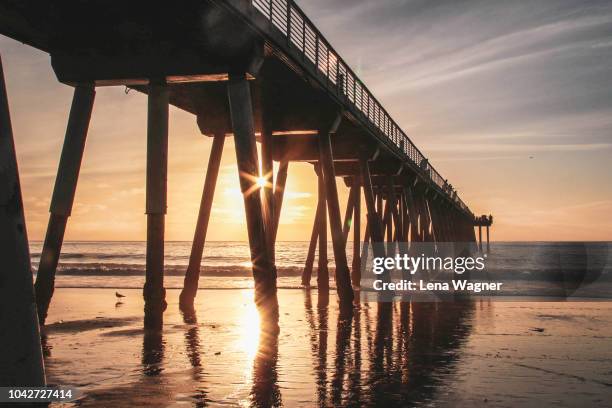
[(21, 361), (374, 223), (192, 276), (267, 196), (279, 193), (343, 277), (379, 206), (423, 220), (443, 222), (366, 243), (480, 238), (388, 222), (488, 245), (440, 223), (157, 169), (348, 214), (446, 220), (428, 221), (63, 194), (356, 267), (412, 213), (395, 222), (397, 217), (307, 272), (322, 269), (241, 112), (432, 219)]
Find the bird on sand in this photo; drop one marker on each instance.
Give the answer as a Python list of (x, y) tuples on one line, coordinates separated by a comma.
[(119, 295)]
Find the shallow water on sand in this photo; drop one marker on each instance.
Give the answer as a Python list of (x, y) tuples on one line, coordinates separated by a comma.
[(462, 354)]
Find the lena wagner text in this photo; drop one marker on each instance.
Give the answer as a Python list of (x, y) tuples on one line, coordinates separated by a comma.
[(458, 285)]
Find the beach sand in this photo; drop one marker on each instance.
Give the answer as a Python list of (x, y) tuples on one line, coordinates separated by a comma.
[(464, 354)]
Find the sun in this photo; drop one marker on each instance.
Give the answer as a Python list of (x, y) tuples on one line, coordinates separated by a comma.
[(261, 182)]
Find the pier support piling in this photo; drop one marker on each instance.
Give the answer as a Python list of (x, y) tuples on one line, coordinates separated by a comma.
[(21, 361), (356, 267), (307, 272), (192, 276), (157, 169), (348, 214), (413, 215), (343, 278), (322, 269), (267, 196), (241, 112), (63, 195), (374, 226), (279, 193)]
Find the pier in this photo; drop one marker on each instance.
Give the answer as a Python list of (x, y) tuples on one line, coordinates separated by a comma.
[(261, 72)]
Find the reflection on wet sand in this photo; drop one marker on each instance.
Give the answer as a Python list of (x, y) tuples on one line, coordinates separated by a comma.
[(412, 344), (194, 353), (374, 354), (152, 352), (265, 391)]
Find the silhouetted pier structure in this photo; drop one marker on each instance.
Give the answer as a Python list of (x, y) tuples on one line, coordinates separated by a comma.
[(260, 71), (483, 221)]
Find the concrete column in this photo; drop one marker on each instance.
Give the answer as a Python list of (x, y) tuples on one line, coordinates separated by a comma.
[(21, 362), (63, 195), (241, 110), (192, 276), (157, 169)]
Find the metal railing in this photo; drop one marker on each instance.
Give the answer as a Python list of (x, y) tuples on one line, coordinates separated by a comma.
[(302, 34)]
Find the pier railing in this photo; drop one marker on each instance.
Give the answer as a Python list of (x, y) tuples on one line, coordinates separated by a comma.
[(301, 33)]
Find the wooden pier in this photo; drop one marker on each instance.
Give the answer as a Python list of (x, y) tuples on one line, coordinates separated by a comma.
[(258, 71)]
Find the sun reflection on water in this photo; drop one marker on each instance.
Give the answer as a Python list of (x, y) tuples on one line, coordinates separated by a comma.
[(248, 329)]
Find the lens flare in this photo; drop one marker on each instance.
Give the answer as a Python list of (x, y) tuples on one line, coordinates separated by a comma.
[(261, 182)]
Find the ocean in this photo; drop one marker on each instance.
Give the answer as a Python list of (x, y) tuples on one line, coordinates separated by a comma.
[(526, 267)]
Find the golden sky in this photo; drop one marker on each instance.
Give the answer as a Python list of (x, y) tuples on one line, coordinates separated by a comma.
[(517, 115)]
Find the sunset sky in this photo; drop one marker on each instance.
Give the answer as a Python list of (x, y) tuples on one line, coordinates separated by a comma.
[(513, 104)]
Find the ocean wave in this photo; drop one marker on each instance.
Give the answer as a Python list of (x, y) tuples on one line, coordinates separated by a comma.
[(110, 269), (532, 274)]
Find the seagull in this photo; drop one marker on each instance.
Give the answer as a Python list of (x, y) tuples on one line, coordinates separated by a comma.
[(119, 295)]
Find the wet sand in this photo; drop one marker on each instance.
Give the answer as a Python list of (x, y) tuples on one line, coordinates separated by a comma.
[(463, 354)]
